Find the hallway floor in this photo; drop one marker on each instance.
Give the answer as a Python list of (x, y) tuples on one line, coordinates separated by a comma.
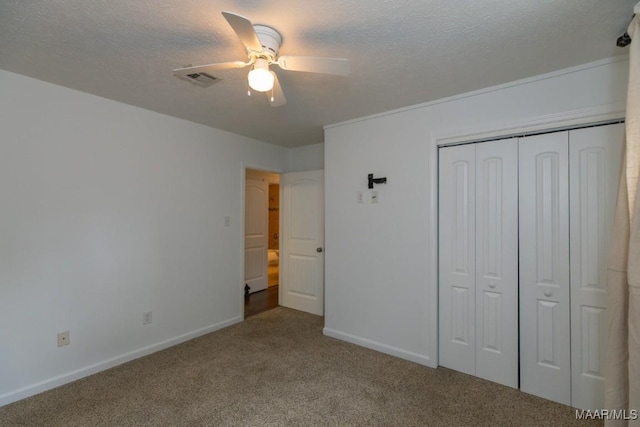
[(261, 301)]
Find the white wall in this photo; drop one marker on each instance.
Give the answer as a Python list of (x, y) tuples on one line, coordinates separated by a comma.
[(109, 211), (380, 273), (307, 158)]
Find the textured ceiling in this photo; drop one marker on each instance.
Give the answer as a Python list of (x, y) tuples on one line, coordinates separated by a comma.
[(402, 52)]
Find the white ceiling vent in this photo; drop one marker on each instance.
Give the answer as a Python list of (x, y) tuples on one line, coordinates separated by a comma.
[(200, 79)]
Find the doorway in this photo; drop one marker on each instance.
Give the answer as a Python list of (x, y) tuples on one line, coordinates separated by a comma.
[(262, 241), (300, 241)]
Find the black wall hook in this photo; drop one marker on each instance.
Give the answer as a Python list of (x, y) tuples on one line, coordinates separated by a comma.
[(373, 180)]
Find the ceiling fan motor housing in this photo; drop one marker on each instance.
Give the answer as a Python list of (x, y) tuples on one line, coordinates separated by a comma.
[(270, 40)]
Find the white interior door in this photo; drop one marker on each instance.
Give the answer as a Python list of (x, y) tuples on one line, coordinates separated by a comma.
[(479, 259), (302, 241), (544, 267), (496, 307), (594, 164), (256, 229), (457, 256)]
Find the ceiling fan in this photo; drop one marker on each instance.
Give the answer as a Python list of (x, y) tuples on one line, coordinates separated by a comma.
[(262, 45)]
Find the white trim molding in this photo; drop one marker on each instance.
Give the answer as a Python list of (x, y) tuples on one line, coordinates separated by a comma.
[(550, 122), (382, 348)]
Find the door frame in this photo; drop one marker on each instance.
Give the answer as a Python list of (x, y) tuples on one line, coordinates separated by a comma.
[(505, 129), (243, 171)]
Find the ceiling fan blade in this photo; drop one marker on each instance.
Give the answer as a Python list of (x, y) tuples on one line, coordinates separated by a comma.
[(244, 29), (276, 97), (312, 64), (210, 67)]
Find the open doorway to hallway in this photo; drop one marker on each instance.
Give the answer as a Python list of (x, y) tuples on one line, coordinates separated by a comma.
[(262, 241)]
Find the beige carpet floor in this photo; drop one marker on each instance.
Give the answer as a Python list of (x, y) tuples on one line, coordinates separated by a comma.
[(277, 369)]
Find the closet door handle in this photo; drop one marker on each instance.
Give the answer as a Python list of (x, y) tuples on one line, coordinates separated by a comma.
[(548, 293), (492, 285), (319, 250)]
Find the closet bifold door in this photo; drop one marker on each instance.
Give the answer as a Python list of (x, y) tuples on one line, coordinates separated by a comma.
[(544, 266), (456, 207), (478, 249), (594, 164), (497, 261)]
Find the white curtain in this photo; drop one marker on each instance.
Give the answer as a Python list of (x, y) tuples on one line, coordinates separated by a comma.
[(622, 378)]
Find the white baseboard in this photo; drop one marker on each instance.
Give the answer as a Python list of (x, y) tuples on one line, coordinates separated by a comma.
[(382, 348), (68, 377)]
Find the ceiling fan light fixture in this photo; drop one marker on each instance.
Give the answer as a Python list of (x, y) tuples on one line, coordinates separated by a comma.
[(262, 46), (260, 78)]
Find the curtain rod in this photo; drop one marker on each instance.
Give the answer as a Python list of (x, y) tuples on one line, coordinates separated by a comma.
[(624, 40)]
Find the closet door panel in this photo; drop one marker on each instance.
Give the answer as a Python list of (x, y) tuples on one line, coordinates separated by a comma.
[(594, 162), (544, 267), (457, 258), (497, 261)]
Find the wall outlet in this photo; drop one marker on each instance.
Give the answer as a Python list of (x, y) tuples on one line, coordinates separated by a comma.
[(146, 318), (63, 338), (227, 221), (360, 196)]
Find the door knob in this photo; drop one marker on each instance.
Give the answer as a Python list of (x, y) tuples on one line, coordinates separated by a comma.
[(319, 250), (547, 293), (492, 285)]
